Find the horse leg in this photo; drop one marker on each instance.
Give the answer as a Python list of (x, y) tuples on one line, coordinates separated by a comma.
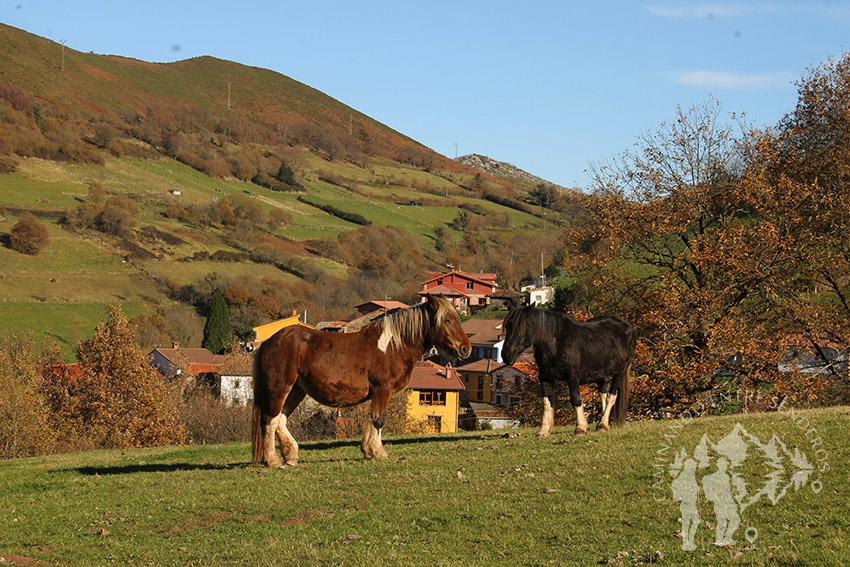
[(270, 453), (288, 445), (372, 445), (607, 403), (575, 400), (548, 420)]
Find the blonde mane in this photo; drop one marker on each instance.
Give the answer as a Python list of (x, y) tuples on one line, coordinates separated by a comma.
[(408, 325)]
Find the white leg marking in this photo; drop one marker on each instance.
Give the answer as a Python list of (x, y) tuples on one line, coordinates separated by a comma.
[(581, 420), (548, 420), (272, 459), (604, 424), (371, 446), (288, 445)]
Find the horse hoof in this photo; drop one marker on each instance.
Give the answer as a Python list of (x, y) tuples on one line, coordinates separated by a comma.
[(541, 434), (291, 464), (602, 427), (581, 432)]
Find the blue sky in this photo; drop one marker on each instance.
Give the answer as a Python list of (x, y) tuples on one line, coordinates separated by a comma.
[(549, 86)]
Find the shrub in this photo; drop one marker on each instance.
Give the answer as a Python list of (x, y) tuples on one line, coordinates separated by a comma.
[(120, 400), (29, 236), (24, 417), (207, 419)]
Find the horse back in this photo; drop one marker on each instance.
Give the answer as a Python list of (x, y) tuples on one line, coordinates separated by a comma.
[(596, 348)]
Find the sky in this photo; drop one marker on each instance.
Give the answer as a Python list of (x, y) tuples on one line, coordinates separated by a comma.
[(549, 86)]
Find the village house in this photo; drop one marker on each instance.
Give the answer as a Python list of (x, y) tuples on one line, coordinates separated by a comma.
[(467, 292), (175, 361), (485, 337), (264, 332), (433, 397)]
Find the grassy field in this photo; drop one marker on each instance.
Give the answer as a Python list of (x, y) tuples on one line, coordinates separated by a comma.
[(472, 498)]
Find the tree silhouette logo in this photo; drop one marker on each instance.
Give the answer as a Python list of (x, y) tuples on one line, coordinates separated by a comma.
[(733, 474)]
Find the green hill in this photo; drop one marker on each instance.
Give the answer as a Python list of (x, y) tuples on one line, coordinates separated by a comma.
[(210, 212)]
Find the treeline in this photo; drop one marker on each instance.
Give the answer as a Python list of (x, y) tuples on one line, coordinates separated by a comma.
[(339, 213), (728, 252)]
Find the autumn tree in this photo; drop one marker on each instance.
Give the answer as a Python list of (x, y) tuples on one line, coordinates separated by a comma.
[(679, 242), (25, 425), (807, 164), (121, 400), (29, 236)]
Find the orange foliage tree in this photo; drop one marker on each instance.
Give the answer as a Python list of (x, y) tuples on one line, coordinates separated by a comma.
[(688, 238), (120, 400)]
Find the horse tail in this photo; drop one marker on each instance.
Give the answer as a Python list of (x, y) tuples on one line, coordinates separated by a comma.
[(257, 425), (621, 402)]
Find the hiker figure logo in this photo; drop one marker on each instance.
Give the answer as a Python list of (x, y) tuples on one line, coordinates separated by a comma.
[(724, 471)]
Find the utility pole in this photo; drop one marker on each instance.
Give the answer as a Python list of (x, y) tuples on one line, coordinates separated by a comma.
[(63, 42), (456, 145), (228, 95)]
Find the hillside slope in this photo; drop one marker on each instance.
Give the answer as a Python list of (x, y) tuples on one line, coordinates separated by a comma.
[(366, 213)]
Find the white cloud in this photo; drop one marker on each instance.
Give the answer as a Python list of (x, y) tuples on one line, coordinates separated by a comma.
[(710, 10), (733, 81)]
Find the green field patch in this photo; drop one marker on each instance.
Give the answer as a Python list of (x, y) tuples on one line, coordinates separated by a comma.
[(63, 323)]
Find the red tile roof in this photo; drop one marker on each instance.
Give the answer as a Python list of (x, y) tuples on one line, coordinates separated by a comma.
[(430, 376)]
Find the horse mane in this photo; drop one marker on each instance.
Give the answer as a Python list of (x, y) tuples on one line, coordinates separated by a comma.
[(538, 321), (408, 325)]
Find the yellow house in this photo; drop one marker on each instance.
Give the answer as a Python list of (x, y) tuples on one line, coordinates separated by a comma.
[(434, 397), (264, 332)]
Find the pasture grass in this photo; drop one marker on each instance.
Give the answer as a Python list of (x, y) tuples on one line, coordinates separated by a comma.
[(62, 323), (470, 498)]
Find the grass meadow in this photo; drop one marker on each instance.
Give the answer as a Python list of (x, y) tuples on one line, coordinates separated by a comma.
[(471, 498)]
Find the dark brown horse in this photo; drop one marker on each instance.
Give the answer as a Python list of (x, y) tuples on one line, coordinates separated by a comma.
[(598, 351), (345, 369)]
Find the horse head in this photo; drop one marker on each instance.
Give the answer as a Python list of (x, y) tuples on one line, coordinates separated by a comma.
[(445, 332), (517, 334)]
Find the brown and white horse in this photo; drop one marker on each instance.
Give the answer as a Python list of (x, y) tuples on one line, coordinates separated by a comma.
[(598, 351), (345, 369)]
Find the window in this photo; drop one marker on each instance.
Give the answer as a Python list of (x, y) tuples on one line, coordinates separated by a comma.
[(469, 285), (432, 398)]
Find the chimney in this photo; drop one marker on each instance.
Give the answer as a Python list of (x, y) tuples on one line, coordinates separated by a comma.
[(175, 345)]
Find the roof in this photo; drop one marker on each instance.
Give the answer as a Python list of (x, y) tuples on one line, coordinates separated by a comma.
[(489, 279), (64, 372), (443, 290), (430, 376), (483, 365), (192, 360), (490, 411), (388, 305), (475, 326)]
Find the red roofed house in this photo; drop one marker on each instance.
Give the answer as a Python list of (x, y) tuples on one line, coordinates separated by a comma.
[(433, 397), (465, 291), (192, 361), (382, 306)]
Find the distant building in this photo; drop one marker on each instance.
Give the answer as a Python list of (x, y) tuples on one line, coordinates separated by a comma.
[(467, 292), (175, 361), (381, 306), (434, 397), (485, 337), (264, 332), (537, 292)]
